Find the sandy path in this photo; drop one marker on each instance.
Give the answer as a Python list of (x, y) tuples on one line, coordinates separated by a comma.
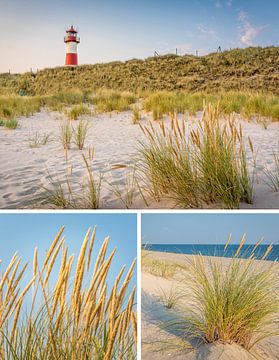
[(24, 170), (162, 340)]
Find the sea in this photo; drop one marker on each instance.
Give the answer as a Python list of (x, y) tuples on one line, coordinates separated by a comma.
[(215, 250)]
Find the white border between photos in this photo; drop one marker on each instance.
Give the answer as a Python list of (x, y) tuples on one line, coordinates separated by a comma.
[(139, 213)]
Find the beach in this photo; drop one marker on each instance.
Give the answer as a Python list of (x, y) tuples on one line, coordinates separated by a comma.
[(25, 171), (163, 338)]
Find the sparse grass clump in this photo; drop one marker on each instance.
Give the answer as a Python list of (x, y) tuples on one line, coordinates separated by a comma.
[(169, 298), (78, 111), (108, 100), (80, 132), (73, 310), (158, 267), (273, 176), (11, 124), (37, 140), (67, 194), (136, 115), (235, 302), (66, 134)]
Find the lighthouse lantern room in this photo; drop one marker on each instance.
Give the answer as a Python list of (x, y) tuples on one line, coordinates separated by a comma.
[(71, 40)]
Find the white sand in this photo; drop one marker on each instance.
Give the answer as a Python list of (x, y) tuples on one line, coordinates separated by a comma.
[(162, 340), (24, 170)]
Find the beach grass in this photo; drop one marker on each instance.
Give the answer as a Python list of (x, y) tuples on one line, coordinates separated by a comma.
[(80, 133), (68, 194), (66, 134), (112, 100), (11, 124), (272, 176), (78, 111), (248, 105), (206, 165), (72, 312), (234, 303), (36, 140)]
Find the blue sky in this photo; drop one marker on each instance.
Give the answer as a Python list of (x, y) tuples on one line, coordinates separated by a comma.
[(22, 232), (209, 228), (33, 30)]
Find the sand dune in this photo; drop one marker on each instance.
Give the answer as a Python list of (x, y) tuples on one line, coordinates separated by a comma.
[(24, 170), (164, 338)]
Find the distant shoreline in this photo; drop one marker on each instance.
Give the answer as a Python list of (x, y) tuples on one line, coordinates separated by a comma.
[(216, 250)]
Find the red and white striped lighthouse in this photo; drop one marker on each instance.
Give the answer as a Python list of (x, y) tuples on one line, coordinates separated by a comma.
[(71, 40)]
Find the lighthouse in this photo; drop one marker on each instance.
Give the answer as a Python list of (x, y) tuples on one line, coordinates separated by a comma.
[(71, 40)]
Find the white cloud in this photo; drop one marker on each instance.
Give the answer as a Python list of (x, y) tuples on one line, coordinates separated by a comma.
[(221, 3), (248, 32), (206, 30)]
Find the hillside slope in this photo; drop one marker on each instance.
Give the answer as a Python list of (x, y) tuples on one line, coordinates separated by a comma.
[(252, 68)]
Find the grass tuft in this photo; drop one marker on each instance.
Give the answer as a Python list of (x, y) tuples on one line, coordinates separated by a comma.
[(234, 302)]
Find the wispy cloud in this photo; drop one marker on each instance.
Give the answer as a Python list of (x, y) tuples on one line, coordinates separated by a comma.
[(248, 32), (206, 30), (221, 3)]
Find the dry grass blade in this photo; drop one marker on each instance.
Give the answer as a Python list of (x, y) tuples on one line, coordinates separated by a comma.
[(86, 324)]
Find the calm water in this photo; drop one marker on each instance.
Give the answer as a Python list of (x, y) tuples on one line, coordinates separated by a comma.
[(214, 250)]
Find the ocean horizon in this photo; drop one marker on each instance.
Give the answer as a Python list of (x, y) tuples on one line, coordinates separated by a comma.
[(215, 250)]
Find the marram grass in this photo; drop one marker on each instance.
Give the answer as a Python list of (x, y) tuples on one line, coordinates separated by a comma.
[(205, 165), (234, 301), (58, 315)]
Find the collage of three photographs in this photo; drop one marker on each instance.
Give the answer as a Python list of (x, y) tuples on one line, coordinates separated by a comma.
[(139, 180)]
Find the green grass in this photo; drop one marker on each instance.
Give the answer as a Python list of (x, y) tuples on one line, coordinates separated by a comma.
[(235, 303), (66, 134), (246, 104), (170, 298), (80, 133), (14, 106), (11, 124), (78, 111), (272, 176), (36, 140), (207, 165), (109, 100), (158, 267), (251, 69)]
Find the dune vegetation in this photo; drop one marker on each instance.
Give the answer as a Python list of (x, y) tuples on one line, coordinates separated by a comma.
[(227, 300), (207, 165), (250, 69), (74, 313)]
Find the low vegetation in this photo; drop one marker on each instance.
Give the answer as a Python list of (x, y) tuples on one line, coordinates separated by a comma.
[(80, 133), (70, 194), (250, 69), (66, 308), (78, 111), (206, 165), (272, 176), (248, 105), (109, 100), (36, 140), (157, 267), (235, 303)]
